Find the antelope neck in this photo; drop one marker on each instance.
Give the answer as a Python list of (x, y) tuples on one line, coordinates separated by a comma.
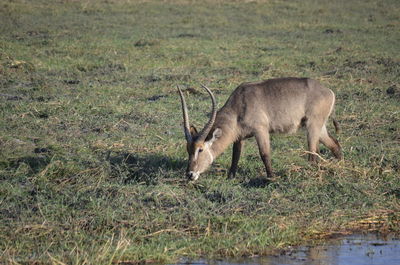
[(228, 136)]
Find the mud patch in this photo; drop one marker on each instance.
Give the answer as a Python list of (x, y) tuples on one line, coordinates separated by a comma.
[(144, 43), (41, 150), (151, 78), (10, 97), (187, 35), (72, 82), (332, 31), (393, 91), (42, 99), (42, 115), (156, 98), (388, 62)]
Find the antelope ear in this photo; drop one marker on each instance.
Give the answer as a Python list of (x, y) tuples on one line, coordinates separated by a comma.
[(216, 134), (193, 131)]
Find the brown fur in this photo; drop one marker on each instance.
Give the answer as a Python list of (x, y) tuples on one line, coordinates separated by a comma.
[(273, 106)]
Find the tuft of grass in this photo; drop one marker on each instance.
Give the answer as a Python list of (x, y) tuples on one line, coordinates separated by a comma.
[(92, 150)]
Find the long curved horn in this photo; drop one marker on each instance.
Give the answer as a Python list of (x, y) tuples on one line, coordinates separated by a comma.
[(203, 134), (186, 126)]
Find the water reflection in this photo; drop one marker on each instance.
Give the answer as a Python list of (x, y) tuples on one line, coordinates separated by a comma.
[(370, 249)]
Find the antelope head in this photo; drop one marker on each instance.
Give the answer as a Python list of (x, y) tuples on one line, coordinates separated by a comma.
[(199, 144)]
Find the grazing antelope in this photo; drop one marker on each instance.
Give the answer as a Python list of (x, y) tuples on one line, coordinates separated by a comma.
[(257, 109)]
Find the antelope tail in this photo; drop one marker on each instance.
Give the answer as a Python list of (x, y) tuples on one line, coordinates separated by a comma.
[(336, 124)]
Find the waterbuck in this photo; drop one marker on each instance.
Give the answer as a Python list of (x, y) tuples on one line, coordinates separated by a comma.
[(257, 109)]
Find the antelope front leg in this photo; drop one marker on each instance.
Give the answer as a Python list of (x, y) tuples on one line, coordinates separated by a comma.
[(265, 151), (237, 149)]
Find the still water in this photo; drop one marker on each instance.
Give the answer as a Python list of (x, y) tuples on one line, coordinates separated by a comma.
[(370, 249)]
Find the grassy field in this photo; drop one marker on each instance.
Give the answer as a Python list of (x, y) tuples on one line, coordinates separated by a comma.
[(92, 148)]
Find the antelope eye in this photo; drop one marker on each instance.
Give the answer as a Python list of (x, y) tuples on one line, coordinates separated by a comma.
[(200, 150)]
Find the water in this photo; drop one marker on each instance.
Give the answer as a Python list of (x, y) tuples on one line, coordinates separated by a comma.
[(370, 249)]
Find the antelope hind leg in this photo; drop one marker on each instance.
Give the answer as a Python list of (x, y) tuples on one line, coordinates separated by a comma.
[(263, 143), (331, 143)]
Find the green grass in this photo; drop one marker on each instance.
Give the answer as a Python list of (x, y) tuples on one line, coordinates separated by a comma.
[(92, 150)]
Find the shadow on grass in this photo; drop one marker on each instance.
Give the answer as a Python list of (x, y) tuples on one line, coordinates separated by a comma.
[(263, 181), (36, 163), (139, 168), (257, 182)]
